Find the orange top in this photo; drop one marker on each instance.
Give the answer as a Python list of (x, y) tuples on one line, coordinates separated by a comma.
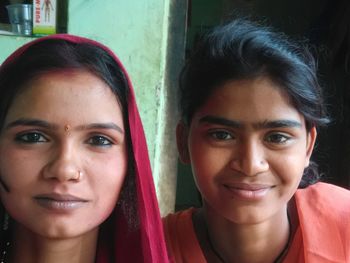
[(323, 233)]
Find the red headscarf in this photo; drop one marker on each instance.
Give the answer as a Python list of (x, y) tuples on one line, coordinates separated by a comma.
[(145, 244)]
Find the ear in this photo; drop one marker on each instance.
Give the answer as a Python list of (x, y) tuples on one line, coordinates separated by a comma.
[(310, 143), (181, 140)]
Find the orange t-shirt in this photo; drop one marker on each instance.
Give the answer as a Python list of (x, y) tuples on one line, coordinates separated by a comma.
[(323, 233)]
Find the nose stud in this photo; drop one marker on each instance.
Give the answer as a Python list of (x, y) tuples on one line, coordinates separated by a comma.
[(79, 175)]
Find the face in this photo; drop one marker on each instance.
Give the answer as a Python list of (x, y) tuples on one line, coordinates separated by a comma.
[(63, 154), (248, 147)]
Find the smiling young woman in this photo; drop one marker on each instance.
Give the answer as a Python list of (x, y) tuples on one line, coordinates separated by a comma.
[(73, 188), (251, 105)]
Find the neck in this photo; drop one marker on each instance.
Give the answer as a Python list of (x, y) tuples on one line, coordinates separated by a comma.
[(35, 248), (226, 241)]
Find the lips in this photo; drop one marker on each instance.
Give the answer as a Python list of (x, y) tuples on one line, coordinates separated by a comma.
[(247, 192), (60, 202), (247, 186)]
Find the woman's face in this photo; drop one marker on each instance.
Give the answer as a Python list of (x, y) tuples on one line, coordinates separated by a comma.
[(248, 147), (63, 154)]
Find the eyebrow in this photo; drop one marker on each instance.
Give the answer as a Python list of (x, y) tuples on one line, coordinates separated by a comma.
[(47, 125), (279, 124), (261, 125), (107, 125), (31, 122), (221, 121)]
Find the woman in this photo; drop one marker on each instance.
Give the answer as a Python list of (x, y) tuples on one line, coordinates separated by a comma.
[(75, 179), (250, 106)]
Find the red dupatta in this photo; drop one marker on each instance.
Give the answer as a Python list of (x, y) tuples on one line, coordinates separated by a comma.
[(147, 243)]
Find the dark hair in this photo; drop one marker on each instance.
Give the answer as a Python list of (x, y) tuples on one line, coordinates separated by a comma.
[(56, 55), (242, 49)]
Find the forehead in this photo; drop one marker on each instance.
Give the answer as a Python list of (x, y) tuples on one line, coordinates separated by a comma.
[(55, 83), (56, 94), (250, 100)]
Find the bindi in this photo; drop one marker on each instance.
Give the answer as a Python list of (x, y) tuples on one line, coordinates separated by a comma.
[(67, 128)]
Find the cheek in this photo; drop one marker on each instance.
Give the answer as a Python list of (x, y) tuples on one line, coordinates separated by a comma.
[(207, 156), (288, 171), (290, 167), (207, 163), (109, 179), (19, 171), (108, 198), (19, 167), (200, 161)]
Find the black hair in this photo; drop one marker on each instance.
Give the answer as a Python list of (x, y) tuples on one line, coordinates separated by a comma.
[(242, 49), (59, 55)]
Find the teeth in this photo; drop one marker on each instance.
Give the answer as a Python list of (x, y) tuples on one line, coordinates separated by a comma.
[(63, 204), (59, 204)]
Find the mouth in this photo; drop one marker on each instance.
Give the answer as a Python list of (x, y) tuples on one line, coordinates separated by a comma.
[(248, 187), (60, 203), (248, 192)]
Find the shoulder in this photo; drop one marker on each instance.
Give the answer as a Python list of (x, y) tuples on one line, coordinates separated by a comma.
[(320, 186), (180, 214), (181, 238), (323, 213), (178, 221), (325, 195)]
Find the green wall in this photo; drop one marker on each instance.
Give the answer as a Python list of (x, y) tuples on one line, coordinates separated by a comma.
[(134, 31), (8, 44)]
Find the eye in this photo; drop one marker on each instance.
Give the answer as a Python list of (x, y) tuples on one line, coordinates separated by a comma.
[(99, 141), (31, 137), (278, 138), (221, 135)]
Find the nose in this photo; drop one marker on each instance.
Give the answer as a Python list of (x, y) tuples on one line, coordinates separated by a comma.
[(63, 165), (250, 159)]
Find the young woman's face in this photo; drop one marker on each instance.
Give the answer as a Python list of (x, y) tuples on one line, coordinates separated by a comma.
[(248, 147), (63, 154)]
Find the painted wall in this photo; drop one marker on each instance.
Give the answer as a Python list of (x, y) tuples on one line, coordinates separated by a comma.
[(8, 44), (134, 31), (137, 31)]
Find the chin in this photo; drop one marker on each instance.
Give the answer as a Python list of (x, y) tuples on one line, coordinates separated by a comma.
[(60, 231), (246, 215)]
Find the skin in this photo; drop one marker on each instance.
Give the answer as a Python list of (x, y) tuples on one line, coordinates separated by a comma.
[(248, 147), (52, 132)]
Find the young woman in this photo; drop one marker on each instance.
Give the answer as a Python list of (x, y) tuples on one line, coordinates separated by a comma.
[(250, 106), (75, 179)]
